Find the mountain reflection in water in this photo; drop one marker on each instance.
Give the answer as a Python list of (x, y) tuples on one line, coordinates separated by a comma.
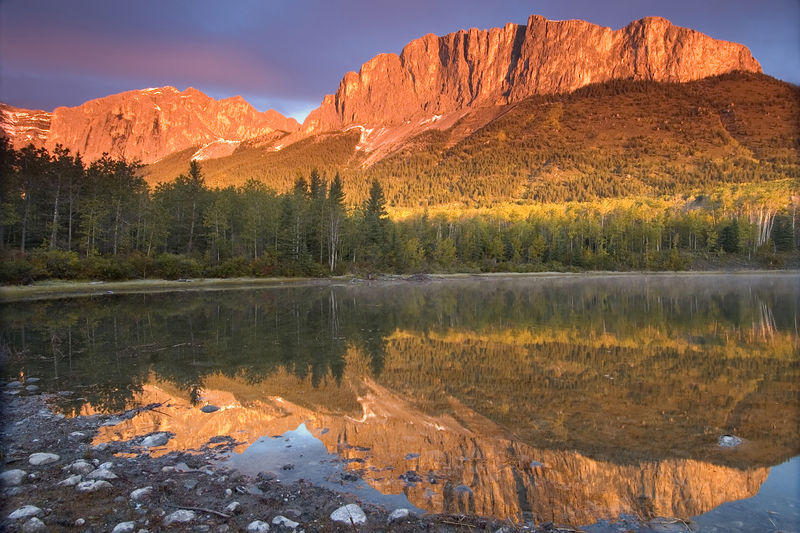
[(566, 399)]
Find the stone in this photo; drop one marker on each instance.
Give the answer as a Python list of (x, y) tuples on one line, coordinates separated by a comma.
[(79, 522), (209, 408), (156, 439), (257, 526), (32, 380), (349, 514), (124, 527), (80, 467), (729, 441), (11, 478), (93, 486), (233, 507), (101, 446), (281, 520), (26, 511), (40, 459), (71, 481), (14, 385), (181, 516), (102, 473), (398, 514), (142, 493), (33, 525), (31, 388)]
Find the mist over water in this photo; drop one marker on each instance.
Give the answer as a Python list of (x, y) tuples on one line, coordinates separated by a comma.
[(564, 398)]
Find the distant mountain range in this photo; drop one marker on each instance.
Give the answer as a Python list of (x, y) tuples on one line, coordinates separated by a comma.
[(502, 93)]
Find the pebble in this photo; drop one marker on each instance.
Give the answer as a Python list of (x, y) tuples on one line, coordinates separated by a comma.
[(398, 514), (140, 494), (233, 507), (80, 467), (348, 513), (209, 408), (181, 516), (228, 493), (182, 467), (281, 520), (190, 484), (33, 525), (10, 478), (39, 459), (729, 441), (156, 439), (26, 511), (79, 522), (101, 447), (124, 527), (257, 526), (102, 473), (77, 434), (71, 481), (93, 486)]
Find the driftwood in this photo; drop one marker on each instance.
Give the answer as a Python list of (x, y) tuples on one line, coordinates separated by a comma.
[(200, 509)]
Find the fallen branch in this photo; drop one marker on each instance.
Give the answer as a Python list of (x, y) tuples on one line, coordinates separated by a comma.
[(200, 509)]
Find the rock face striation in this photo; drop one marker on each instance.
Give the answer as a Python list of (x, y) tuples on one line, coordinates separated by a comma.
[(434, 76), (145, 124)]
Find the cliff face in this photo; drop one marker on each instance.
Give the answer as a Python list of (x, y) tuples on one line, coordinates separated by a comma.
[(24, 126), (146, 124), (435, 76)]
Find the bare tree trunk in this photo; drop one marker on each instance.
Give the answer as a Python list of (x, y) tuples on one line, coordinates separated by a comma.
[(54, 228)]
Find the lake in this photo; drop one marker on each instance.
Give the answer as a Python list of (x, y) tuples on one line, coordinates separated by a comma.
[(575, 399)]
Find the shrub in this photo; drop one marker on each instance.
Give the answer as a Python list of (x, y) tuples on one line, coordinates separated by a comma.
[(16, 271)]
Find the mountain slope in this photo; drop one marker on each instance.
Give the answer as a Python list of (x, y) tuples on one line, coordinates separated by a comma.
[(146, 124), (609, 139)]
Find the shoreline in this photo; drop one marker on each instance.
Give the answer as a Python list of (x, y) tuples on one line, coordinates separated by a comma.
[(55, 289)]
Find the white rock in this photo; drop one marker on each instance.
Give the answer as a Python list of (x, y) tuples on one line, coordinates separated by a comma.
[(100, 447), (257, 526), (26, 511), (14, 385), (281, 520), (93, 486), (79, 522), (140, 494), (124, 527), (9, 478), (102, 473), (181, 516), (729, 441), (232, 507), (33, 525), (349, 514), (156, 439), (107, 465), (398, 514), (77, 434), (80, 467), (71, 481), (39, 459)]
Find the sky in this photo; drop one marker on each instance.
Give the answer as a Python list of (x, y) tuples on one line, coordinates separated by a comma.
[(287, 54)]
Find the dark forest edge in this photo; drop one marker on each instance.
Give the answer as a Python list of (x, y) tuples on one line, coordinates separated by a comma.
[(62, 219)]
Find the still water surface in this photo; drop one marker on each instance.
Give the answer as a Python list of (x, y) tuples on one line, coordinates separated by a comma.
[(572, 399)]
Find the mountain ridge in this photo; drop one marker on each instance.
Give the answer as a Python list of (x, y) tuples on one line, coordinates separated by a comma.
[(145, 124)]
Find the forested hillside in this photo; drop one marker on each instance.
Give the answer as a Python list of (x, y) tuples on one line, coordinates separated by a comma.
[(613, 139), (63, 219)]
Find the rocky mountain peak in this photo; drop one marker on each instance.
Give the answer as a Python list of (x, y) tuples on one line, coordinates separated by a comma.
[(438, 75)]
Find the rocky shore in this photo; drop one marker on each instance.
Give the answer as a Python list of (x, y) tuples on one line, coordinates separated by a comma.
[(55, 479)]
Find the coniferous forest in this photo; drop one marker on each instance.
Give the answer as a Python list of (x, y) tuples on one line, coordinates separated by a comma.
[(65, 219)]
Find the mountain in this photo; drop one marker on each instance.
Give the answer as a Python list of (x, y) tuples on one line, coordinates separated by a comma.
[(615, 138), (146, 124), (437, 78)]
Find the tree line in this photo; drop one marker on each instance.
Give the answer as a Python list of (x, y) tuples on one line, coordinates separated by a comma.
[(60, 218)]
